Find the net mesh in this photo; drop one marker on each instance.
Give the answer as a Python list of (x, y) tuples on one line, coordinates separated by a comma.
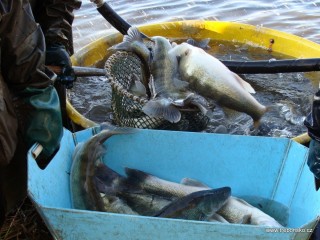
[(122, 69)]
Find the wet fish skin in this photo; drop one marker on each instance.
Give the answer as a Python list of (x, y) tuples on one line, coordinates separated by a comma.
[(164, 70), (114, 204), (144, 203), (237, 210), (212, 79), (278, 210), (198, 205), (155, 185), (83, 183), (120, 194)]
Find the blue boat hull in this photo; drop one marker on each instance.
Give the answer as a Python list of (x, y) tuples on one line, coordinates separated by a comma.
[(273, 168)]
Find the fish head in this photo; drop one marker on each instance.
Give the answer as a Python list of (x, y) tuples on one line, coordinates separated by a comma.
[(161, 44), (214, 200), (181, 51)]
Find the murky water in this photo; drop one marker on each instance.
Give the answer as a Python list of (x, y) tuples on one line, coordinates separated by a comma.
[(288, 94)]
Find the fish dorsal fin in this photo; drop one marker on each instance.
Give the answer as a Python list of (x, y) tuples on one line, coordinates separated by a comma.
[(193, 182), (244, 84), (243, 201), (204, 43), (200, 44), (133, 35)]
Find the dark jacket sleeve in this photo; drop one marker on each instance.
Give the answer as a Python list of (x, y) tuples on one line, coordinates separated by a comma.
[(56, 18), (35, 100), (312, 121), (22, 47)]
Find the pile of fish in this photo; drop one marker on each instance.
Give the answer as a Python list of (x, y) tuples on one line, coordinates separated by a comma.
[(94, 186), (185, 75)]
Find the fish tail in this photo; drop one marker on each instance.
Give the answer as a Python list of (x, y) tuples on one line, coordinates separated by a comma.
[(204, 43), (133, 35), (105, 134), (256, 124), (159, 108), (257, 119)]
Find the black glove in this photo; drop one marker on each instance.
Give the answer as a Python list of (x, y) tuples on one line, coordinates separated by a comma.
[(57, 55)]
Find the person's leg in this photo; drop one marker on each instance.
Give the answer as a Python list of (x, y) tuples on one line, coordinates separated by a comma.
[(13, 180), (2, 207)]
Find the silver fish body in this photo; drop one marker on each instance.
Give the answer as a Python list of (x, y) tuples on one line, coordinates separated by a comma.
[(144, 203), (83, 183), (237, 210), (212, 79), (114, 204), (164, 71), (169, 92), (122, 196), (155, 185), (200, 205)]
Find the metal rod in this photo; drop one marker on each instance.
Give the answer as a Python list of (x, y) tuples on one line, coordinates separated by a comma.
[(278, 66), (36, 150)]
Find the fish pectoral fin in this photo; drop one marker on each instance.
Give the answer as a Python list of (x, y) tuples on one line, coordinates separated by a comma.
[(193, 182), (244, 84), (162, 108), (243, 201), (133, 35), (204, 109)]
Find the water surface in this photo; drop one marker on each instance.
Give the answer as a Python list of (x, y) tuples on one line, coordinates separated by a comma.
[(289, 94)]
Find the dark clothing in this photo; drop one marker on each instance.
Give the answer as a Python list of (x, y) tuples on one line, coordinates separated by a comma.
[(55, 18), (29, 104), (312, 123)]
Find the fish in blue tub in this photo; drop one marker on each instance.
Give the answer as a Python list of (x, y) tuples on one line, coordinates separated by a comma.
[(86, 156), (212, 79), (200, 205)]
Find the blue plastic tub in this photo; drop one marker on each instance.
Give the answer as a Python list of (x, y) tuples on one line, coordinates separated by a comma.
[(273, 168)]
